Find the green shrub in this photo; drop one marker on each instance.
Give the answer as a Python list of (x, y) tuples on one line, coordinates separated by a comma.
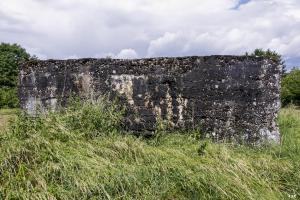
[(94, 119), (8, 97), (11, 55), (290, 88)]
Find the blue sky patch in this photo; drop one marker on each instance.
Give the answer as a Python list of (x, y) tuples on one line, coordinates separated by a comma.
[(241, 2)]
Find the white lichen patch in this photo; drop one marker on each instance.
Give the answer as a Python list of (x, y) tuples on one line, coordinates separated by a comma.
[(53, 100), (123, 84), (86, 82), (32, 105), (147, 100), (47, 74), (52, 91), (157, 111), (32, 77), (168, 101), (270, 136), (182, 104), (53, 104)]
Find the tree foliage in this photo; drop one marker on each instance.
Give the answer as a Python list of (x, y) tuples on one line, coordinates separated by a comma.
[(268, 54), (273, 55), (290, 87), (11, 55)]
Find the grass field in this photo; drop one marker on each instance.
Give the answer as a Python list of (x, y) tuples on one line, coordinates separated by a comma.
[(82, 154), (5, 116)]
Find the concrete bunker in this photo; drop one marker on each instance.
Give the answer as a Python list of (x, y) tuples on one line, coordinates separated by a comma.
[(230, 97)]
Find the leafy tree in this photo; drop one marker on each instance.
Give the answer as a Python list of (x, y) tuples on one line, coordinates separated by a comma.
[(290, 87), (11, 55), (268, 54)]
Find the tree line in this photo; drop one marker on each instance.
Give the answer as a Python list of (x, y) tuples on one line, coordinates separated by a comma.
[(12, 55)]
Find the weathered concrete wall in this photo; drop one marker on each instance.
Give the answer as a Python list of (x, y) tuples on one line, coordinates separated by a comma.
[(230, 97)]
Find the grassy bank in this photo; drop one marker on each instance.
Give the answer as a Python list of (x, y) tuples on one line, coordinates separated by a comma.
[(82, 154), (5, 116)]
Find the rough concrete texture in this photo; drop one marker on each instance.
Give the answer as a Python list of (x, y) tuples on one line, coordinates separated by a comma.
[(229, 97)]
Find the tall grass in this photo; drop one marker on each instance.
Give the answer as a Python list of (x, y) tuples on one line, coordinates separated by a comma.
[(81, 153)]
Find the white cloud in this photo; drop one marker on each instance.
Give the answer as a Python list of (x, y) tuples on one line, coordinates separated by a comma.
[(168, 44), (123, 54), (127, 54), (85, 28), (72, 57), (36, 52)]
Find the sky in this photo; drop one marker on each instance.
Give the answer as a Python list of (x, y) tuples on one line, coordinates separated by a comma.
[(63, 29)]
